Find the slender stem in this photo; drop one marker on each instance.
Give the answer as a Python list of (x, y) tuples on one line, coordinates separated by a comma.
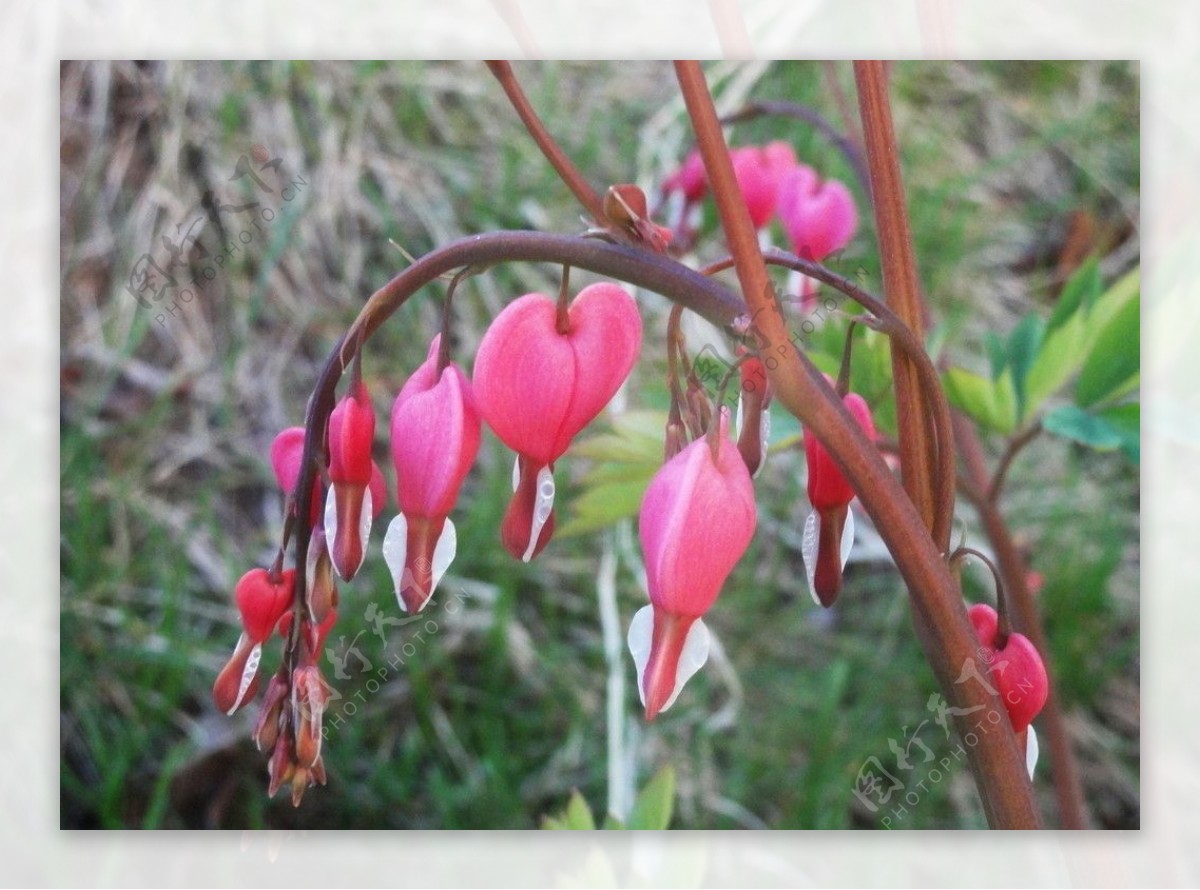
[(1003, 625), (894, 327), (996, 761), (1068, 789), (900, 283), (1006, 459), (842, 142), (562, 164)]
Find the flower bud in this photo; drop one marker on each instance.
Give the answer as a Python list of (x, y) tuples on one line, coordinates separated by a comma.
[(348, 508)]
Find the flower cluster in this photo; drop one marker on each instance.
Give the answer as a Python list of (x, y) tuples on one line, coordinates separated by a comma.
[(818, 216)]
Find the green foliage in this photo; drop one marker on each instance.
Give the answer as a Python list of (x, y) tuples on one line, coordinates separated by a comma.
[(651, 810)]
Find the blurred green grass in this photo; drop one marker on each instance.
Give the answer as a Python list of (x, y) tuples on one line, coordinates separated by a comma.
[(494, 718)]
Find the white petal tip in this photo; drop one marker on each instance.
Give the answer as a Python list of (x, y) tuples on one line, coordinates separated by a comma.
[(1031, 750), (395, 553), (693, 656)]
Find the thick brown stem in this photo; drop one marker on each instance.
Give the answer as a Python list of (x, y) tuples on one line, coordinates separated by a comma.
[(900, 283), (996, 760)]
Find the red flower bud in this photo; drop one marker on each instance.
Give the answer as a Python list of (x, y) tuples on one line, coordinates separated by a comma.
[(262, 601), (1016, 668), (348, 508), (829, 530)]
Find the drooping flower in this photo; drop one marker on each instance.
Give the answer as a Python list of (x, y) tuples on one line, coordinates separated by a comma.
[(757, 180), (434, 437), (818, 217), (1018, 673), (261, 600), (540, 379), (696, 521), (689, 179), (753, 423), (287, 453), (349, 510), (829, 529)]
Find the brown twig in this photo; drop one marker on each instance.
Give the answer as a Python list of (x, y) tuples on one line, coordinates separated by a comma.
[(567, 171), (1014, 448)]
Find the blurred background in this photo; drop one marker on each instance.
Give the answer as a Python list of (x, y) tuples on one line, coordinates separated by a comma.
[(301, 187)]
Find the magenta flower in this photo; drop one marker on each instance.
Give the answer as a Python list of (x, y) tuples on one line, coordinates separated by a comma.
[(435, 437), (349, 508), (696, 521), (818, 217), (539, 380)]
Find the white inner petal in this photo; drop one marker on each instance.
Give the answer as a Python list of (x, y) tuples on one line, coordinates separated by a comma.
[(364, 526), (808, 550), (691, 659), (1031, 750), (395, 552), (543, 504), (516, 480), (641, 630), (695, 653), (331, 529), (847, 536), (764, 434), (443, 554), (249, 672), (737, 418)]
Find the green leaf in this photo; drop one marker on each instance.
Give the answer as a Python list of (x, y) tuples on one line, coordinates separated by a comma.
[(652, 809), (579, 814), (1074, 423), (1023, 345), (991, 403), (996, 353), (599, 507), (1082, 290), (1114, 363), (1066, 346), (1127, 419)]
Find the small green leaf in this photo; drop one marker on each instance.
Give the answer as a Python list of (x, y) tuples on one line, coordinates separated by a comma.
[(1066, 347), (997, 354), (1115, 360), (991, 403), (1074, 423), (579, 814), (1127, 419), (1023, 345), (1082, 290), (652, 809), (599, 507)]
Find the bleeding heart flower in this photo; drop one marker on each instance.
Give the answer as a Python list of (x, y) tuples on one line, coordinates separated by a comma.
[(349, 508), (435, 437), (829, 529), (287, 453), (696, 521), (819, 218), (539, 380), (690, 179), (757, 181), (1019, 674), (261, 601)]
